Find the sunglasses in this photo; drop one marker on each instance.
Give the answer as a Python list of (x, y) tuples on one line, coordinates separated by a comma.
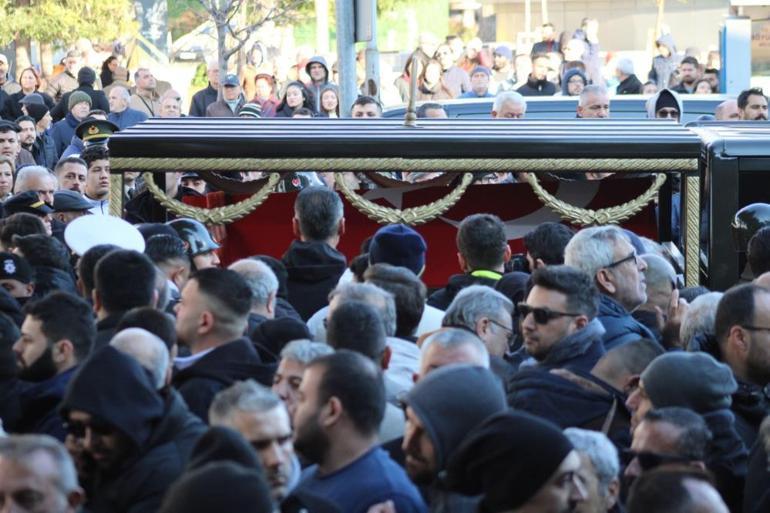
[(78, 429), (542, 315), (651, 460)]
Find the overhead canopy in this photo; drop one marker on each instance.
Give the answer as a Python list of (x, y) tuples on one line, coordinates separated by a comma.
[(231, 138)]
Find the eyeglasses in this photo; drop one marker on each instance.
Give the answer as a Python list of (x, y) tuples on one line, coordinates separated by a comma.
[(542, 315), (633, 256), (508, 331), (78, 429), (667, 113), (755, 328), (651, 460)]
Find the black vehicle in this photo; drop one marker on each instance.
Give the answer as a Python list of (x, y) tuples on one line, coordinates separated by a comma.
[(564, 107)]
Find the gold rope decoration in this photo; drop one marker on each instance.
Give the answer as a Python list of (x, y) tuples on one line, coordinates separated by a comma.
[(614, 165), (587, 216), (412, 216), (116, 195), (218, 215)]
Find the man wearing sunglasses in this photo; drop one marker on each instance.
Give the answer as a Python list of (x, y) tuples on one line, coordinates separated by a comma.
[(606, 254), (667, 436)]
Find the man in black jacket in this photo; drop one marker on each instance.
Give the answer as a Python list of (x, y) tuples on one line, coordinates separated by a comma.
[(482, 251), (124, 279), (537, 81), (57, 334), (629, 83), (742, 316), (86, 79), (123, 436), (205, 97), (211, 319), (313, 262)]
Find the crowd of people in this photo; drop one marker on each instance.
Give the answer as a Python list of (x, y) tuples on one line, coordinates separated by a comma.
[(140, 374)]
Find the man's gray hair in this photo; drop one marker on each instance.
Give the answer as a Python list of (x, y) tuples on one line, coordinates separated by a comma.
[(382, 300), (508, 97), (700, 317), (305, 351), (122, 92), (625, 66), (28, 172), (259, 277), (591, 89), (474, 302), (452, 338), (659, 273), (590, 249), (19, 448), (246, 396), (148, 349), (601, 452)]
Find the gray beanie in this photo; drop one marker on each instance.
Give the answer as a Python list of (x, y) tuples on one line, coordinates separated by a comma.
[(690, 380), (451, 401)]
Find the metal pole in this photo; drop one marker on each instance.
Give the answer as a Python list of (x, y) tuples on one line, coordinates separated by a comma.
[(346, 55), (373, 58), (527, 16)]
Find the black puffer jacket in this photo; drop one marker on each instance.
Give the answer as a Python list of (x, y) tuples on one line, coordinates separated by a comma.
[(314, 268)]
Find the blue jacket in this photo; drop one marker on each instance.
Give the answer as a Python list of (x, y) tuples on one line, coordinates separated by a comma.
[(39, 406), (62, 132), (44, 150), (76, 147), (620, 326), (127, 118)]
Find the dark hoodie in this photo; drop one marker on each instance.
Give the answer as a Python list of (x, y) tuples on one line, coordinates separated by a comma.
[(314, 268), (537, 88), (316, 88), (442, 298), (663, 67), (234, 361), (115, 389)]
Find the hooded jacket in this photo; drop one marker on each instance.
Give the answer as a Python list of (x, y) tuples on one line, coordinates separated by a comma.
[(114, 388), (537, 88), (442, 298), (663, 67), (653, 101), (316, 89), (217, 370), (578, 351), (620, 326), (567, 76), (313, 268)]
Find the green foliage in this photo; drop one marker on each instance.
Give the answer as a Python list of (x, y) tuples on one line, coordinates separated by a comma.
[(65, 21)]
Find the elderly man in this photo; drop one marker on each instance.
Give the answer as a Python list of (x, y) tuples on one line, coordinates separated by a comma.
[(145, 98), (8, 84), (38, 475), (231, 102), (660, 278), (264, 288), (65, 81), (728, 111), (599, 468), (629, 83), (170, 104), (120, 112), (606, 254), (485, 312), (594, 103), (509, 105), (295, 357), (259, 415), (450, 346), (38, 179)]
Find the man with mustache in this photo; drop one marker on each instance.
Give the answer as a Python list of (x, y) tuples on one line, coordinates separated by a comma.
[(752, 105), (57, 334)]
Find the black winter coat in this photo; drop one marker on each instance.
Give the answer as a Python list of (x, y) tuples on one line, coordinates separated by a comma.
[(14, 107), (313, 268), (44, 151), (631, 85), (537, 88), (201, 100), (442, 298), (234, 361)]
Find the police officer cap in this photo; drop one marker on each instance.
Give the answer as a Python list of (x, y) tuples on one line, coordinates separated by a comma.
[(92, 130), (195, 236), (28, 202), (14, 267), (70, 201), (88, 231)]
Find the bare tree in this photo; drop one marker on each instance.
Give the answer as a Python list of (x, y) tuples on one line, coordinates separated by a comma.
[(237, 20)]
